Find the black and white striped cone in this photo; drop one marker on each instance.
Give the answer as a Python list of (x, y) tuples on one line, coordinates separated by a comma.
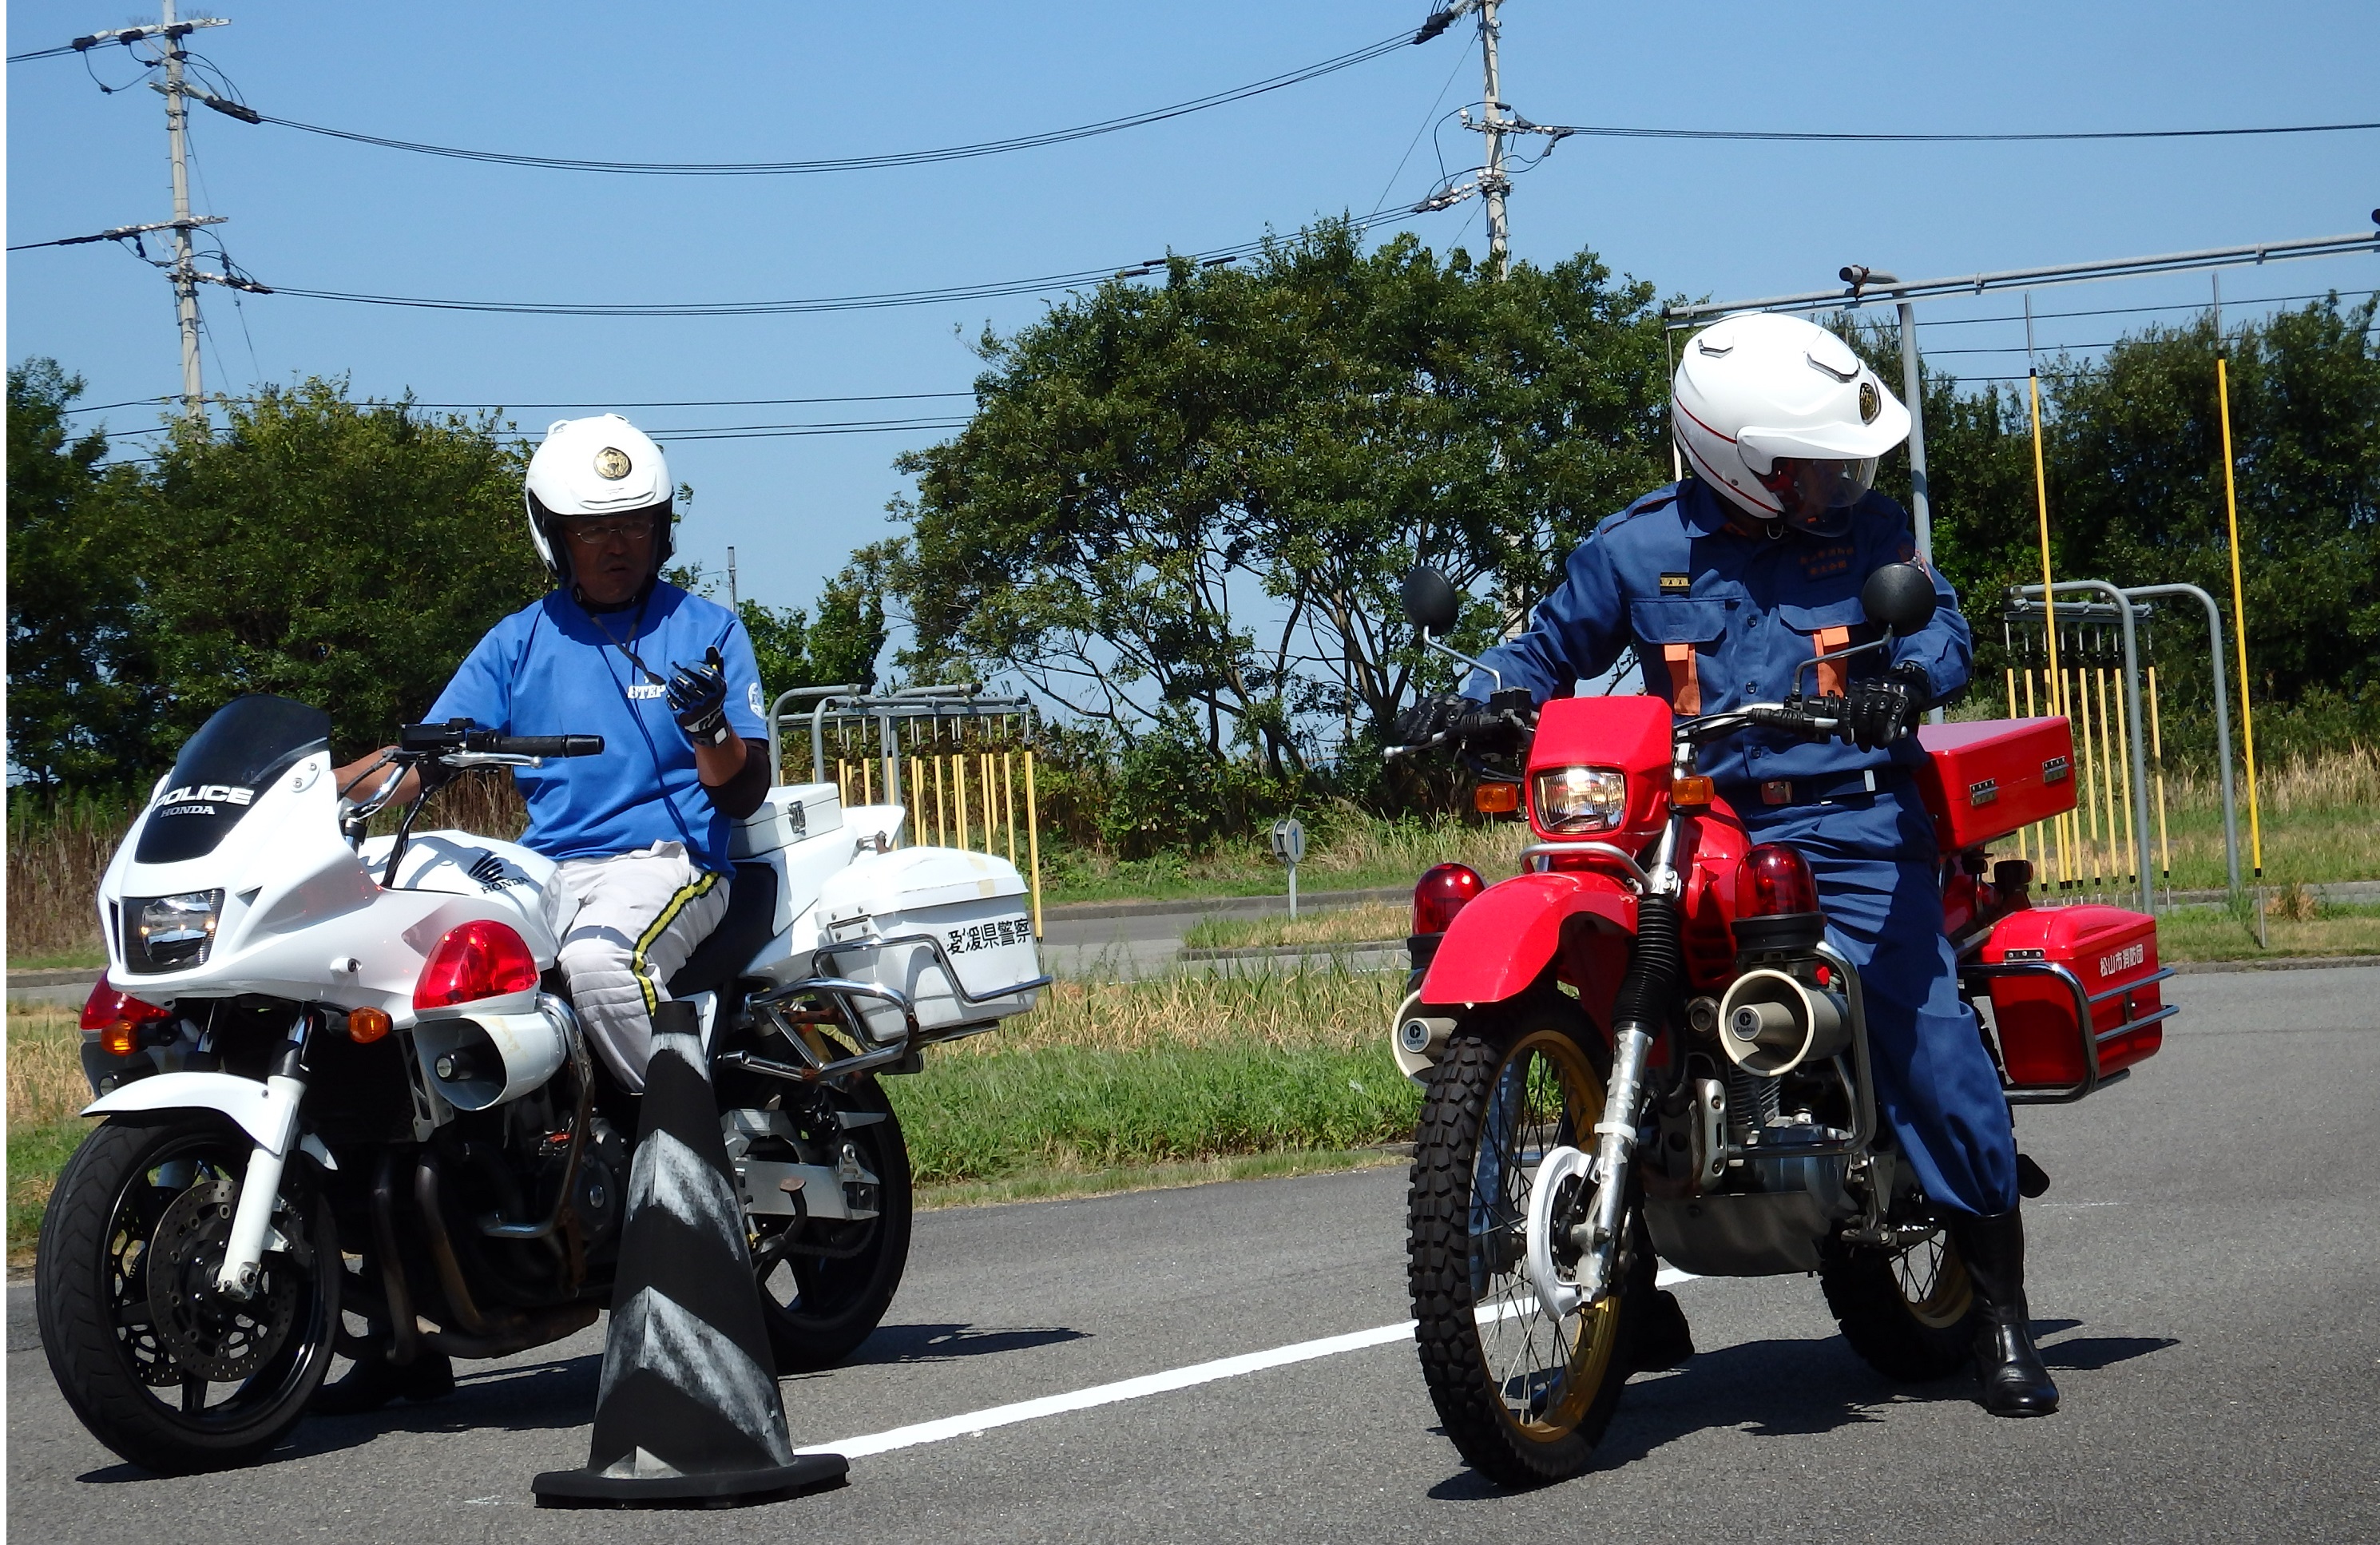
[(688, 1414)]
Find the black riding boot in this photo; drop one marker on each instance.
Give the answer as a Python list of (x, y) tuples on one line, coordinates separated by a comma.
[(2007, 1365)]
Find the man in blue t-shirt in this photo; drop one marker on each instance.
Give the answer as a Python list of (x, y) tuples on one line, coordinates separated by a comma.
[(638, 834)]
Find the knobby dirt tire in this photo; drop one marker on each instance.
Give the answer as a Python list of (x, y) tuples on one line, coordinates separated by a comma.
[(92, 1354), (1911, 1316), (1456, 1272), (835, 1304)]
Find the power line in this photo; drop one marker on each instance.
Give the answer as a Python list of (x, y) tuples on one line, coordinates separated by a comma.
[(876, 301), (591, 402), (867, 163), (1613, 131)]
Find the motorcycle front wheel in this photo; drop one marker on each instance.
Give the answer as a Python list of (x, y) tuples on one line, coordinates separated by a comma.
[(1523, 1396), (164, 1369)]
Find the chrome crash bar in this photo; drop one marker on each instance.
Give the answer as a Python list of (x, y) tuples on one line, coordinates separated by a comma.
[(844, 990), (2085, 999)]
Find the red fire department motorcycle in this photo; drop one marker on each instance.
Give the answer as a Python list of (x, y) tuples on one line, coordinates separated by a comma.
[(1643, 1045)]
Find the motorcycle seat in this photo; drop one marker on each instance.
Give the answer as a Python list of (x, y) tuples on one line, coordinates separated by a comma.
[(750, 922)]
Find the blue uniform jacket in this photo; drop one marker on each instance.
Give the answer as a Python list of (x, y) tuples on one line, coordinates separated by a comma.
[(1720, 618)]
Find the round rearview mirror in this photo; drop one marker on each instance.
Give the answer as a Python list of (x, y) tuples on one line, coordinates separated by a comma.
[(1431, 603), (1901, 596)]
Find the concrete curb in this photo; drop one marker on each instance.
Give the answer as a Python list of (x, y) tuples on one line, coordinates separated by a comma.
[(82, 974)]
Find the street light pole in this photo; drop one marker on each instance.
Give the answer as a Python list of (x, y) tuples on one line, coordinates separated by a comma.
[(1493, 183)]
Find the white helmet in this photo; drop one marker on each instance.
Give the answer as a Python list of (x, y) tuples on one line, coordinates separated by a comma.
[(603, 466), (1758, 389)]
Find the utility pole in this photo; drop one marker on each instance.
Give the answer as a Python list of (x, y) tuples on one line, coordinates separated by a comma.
[(1493, 183), (185, 269)]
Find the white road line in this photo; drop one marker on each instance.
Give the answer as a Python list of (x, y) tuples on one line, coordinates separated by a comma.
[(973, 1422)]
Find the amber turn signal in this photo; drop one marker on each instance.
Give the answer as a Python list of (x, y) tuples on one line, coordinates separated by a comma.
[(1689, 792), (120, 1039), (366, 1025), (1496, 798)]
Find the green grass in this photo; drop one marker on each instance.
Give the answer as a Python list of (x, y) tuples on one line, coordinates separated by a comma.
[(1070, 1109), (60, 960), (1051, 1185), (2211, 933), (45, 1088)]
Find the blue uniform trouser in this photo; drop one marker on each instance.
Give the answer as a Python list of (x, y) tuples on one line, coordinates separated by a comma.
[(1873, 856)]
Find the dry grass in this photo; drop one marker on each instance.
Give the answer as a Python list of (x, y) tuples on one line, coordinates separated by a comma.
[(45, 1088), (1297, 1011), (1367, 923)]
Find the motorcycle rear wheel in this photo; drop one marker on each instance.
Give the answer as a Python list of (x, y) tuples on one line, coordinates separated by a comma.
[(1524, 1399), (1910, 1315), (157, 1195), (819, 1305)]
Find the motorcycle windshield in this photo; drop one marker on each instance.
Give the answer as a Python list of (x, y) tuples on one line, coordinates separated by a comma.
[(223, 768)]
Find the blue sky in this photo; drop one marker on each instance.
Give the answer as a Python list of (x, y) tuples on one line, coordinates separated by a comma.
[(783, 80)]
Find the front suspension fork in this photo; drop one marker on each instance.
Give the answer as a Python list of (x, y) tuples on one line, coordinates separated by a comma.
[(1596, 1236), (260, 1189)]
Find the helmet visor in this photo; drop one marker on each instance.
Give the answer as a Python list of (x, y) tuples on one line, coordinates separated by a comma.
[(1813, 487)]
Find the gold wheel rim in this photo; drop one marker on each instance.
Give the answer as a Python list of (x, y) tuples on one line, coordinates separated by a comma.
[(1934, 1282), (1547, 1375)]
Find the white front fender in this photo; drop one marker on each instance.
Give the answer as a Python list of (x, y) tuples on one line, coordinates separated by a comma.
[(265, 1111)]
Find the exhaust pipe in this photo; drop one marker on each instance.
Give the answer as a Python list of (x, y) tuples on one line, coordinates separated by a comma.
[(1770, 1024)]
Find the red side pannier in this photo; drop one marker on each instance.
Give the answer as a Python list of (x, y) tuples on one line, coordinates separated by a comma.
[(1983, 780), (2109, 958)]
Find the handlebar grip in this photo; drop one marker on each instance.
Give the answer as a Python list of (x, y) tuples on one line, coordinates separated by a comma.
[(546, 745)]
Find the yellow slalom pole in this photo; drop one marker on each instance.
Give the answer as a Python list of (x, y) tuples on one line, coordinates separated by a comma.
[(867, 780), (1008, 798), (2122, 763), (2090, 773), (2240, 615), (983, 769), (2156, 761), (2040, 828), (843, 781), (941, 808), (1033, 840), (2021, 850), (958, 765), (2048, 595)]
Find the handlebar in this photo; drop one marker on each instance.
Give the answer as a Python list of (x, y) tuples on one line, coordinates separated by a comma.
[(423, 742)]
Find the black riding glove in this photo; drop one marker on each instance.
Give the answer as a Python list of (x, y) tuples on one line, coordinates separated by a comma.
[(698, 695), (1433, 716), (1880, 710)]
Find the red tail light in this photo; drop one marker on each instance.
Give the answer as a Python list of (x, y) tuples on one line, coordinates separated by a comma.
[(1442, 893), (119, 1018), (477, 960), (1773, 882)]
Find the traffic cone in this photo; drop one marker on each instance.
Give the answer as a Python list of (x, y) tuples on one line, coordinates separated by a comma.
[(688, 1414)]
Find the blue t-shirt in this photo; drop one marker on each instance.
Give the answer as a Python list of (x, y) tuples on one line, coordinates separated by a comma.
[(549, 669)]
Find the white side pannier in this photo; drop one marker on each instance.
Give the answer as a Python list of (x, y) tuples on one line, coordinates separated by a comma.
[(907, 919)]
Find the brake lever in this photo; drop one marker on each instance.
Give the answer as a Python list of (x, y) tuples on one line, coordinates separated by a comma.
[(488, 759)]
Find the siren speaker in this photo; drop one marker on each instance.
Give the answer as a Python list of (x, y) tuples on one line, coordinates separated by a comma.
[(1770, 1024)]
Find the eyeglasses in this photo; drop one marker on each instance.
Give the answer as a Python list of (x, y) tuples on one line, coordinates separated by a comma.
[(598, 533)]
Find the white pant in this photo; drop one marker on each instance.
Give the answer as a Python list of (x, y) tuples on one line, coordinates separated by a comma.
[(626, 924)]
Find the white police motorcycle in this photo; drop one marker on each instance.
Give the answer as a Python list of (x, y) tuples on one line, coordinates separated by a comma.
[(349, 1116)]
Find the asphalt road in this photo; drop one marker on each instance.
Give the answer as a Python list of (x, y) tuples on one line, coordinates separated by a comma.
[(2203, 1276)]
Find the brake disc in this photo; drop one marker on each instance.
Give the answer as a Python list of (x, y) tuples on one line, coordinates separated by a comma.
[(208, 1335)]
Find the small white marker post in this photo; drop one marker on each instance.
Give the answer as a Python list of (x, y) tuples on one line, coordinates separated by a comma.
[(1289, 846)]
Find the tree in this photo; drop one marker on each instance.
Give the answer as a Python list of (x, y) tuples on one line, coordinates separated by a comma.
[(840, 649), (81, 698), (346, 553), (1202, 494)]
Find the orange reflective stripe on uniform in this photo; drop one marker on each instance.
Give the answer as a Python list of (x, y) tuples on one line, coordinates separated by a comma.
[(1834, 680), (1685, 686)]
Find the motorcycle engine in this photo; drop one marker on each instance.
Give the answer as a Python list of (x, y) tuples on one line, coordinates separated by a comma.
[(599, 1193)]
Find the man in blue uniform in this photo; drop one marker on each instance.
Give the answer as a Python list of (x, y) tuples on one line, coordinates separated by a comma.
[(1729, 584), (638, 835)]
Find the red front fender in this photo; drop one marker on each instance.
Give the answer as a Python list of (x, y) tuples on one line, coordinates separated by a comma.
[(1500, 943)]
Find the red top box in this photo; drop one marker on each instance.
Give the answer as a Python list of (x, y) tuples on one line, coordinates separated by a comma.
[(1983, 780)]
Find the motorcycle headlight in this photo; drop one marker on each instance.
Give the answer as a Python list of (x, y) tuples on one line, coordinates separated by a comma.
[(171, 933), (1579, 798)]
